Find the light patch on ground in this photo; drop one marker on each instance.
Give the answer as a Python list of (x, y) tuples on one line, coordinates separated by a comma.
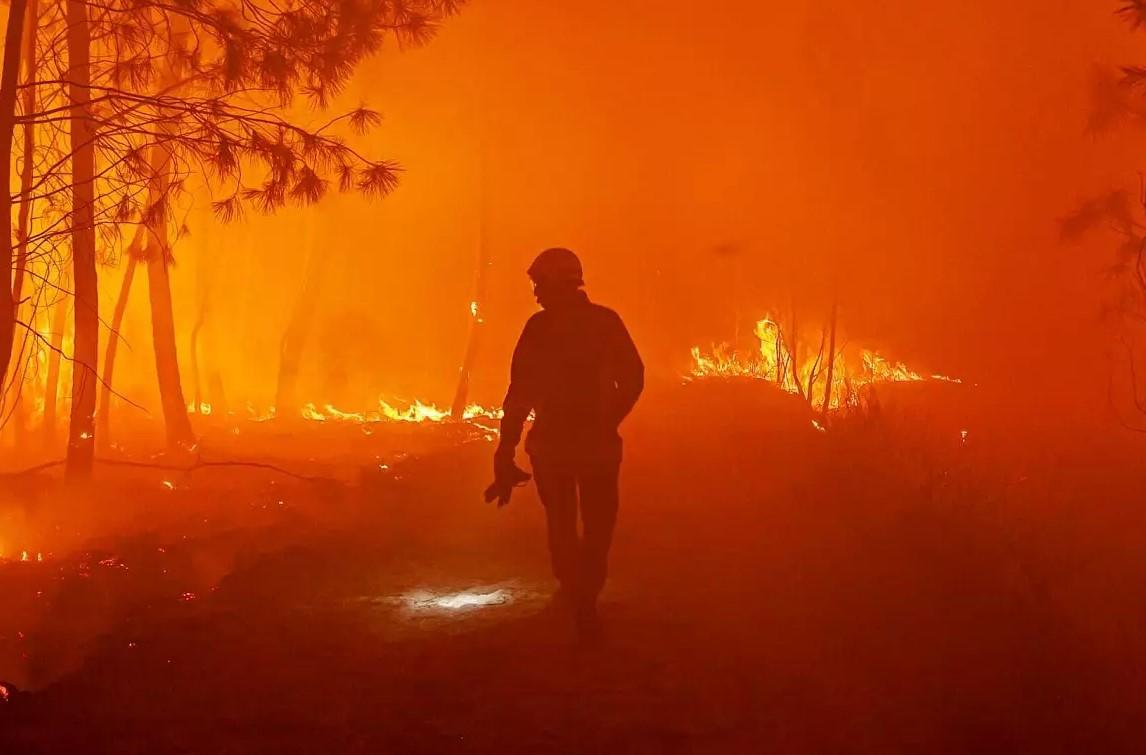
[(453, 606), (425, 600)]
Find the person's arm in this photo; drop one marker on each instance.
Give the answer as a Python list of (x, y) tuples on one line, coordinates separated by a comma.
[(520, 396), (630, 371)]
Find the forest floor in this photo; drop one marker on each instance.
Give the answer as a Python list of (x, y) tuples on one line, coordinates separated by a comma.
[(891, 586)]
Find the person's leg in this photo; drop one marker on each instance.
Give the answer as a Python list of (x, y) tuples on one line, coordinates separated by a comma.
[(557, 488), (599, 502)]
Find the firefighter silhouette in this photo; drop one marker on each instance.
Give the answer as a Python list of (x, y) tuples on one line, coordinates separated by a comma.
[(577, 370)]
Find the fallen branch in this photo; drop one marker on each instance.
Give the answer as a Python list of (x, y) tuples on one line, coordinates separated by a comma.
[(185, 469)]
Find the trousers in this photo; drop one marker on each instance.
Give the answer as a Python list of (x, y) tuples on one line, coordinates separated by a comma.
[(589, 487)]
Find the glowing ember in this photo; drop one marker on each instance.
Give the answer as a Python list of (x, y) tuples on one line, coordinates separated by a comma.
[(169, 484)]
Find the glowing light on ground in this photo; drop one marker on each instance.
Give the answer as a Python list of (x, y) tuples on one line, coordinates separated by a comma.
[(425, 600)]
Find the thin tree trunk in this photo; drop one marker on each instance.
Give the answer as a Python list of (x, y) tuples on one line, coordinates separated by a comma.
[(736, 268), (831, 360), (291, 349), (297, 333), (23, 408), (477, 320), (103, 418), (29, 162), (81, 429), (179, 433), (52, 379), (203, 281), (216, 393), (779, 354), (175, 419), (815, 371), (473, 345), (196, 382), (9, 76), (794, 352)]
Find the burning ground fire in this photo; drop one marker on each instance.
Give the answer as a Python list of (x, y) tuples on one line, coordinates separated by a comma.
[(415, 412), (806, 370), (22, 556), (43, 391)]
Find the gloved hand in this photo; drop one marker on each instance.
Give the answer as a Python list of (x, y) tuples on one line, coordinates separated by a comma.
[(506, 476)]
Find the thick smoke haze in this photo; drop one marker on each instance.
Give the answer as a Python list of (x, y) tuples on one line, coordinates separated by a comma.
[(705, 160)]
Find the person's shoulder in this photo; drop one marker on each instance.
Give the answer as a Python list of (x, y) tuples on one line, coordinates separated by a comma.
[(606, 314), (536, 320), (539, 316)]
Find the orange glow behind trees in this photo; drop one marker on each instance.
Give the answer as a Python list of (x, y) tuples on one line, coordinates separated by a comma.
[(910, 162)]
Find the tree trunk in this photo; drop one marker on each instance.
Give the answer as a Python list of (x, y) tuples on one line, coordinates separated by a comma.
[(103, 418), (477, 320), (291, 348), (831, 360), (81, 429), (175, 417), (216, 393), (196, 382), (23, 409), (179, 433), (203, 279), (473, 344), (52, 379), (29, 162), (298, 332), (794, 354), (9, 76)]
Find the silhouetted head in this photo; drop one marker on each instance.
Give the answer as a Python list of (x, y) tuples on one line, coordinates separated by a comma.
[(557, 277)]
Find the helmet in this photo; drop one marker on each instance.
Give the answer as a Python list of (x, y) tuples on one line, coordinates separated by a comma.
[(556, 266)]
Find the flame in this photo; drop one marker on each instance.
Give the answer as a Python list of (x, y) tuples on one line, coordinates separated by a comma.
[(24, 557), (416, 412), (802, 369)]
